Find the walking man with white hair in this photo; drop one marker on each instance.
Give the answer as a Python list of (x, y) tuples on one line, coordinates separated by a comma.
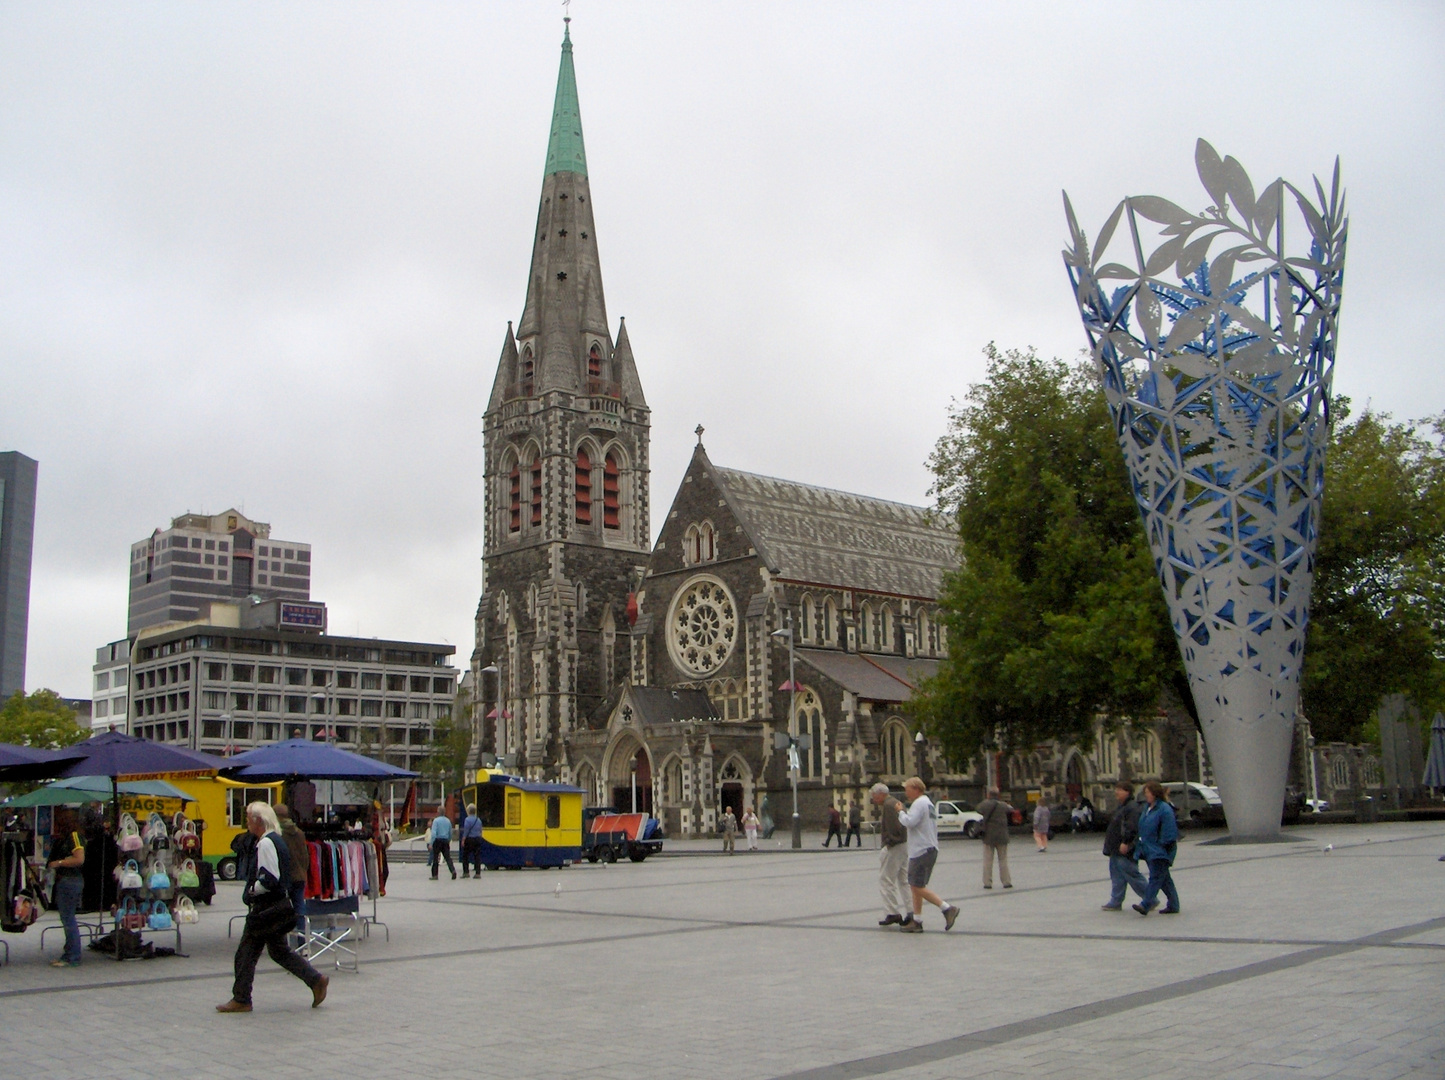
[(922, 854), (271, 916), (892, 858)]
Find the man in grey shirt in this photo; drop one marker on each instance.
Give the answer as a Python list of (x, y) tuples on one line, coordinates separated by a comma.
[(893, 858), (995, 838)]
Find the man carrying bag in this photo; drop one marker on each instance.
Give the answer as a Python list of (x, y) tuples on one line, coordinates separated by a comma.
[(271, 916)]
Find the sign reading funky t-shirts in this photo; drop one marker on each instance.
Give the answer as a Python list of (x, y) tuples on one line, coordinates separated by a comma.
[(303, 616)]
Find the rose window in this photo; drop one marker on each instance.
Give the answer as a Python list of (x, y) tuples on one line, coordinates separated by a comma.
[(702, 626)]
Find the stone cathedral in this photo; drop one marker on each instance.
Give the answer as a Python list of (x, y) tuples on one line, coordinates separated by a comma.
[(655, 673)]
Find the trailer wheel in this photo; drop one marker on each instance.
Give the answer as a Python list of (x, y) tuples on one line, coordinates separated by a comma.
[(607, 855), (638, 856), (592, 858), (226, 869)]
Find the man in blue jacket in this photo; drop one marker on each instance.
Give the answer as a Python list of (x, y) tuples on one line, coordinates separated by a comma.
[(1158, 839), (441, 844)]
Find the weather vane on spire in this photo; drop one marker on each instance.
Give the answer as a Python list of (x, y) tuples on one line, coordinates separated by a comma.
[(566, 11)]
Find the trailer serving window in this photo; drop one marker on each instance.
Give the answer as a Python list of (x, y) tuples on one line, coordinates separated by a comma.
[(489, 805), (240, 798), (554, 811)]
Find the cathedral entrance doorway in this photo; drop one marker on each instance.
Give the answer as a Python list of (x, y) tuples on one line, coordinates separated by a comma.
[(731, 798), (624, 767)]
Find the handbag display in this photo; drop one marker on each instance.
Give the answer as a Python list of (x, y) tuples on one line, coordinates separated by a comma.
[(187, 877), (160, 916), (130, 876), (159, 880), (156, 834), (128, 839), (186, 912)]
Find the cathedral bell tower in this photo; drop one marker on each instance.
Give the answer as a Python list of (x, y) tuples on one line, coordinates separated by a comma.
[(566, 473)]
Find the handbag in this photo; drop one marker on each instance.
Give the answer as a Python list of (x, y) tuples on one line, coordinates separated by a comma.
[(186, 912), (273, 918), (129, 837), (187, 878), (160, 917), (24, 909), (159, 879), (130, 876), (156, 833), (129, 915), (188, 841)]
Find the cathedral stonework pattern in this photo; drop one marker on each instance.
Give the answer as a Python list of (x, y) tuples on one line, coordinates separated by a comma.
[(1218, 374)]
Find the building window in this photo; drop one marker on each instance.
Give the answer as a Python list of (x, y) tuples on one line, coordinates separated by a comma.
[(674, 782), (396, 683), (371, 680), (584, 487), (345, 680), (241, 702), (611, 494), (420, 684), (925, 645), (213, 699), (594, 363), (699, 543), (268, 702), (295, 703), (865, 626), (537, 490), (885, 639), (528, 375), (394, 709), (441, 686), (102, 681), (514, 520), (320, 678), (101, 707), (241, 672), (215, 671), (895, 749), (370, 707), (345, 706), (267, 674), (295, 676), (810, 723), (830, 622), (807, 618)]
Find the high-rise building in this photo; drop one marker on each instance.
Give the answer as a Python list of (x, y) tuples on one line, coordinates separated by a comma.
[(18, 475), (566, 466), (175, 573)]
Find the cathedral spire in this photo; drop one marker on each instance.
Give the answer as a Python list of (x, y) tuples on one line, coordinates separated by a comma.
[(564, 150), (565, 316)]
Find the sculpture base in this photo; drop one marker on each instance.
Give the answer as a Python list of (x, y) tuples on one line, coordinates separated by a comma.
[(1279, 838)]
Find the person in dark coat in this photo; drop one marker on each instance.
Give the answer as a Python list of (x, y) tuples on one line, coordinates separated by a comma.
[(271, 917), (1157, 841), (855, 823), (995, 838), (835, 826), (300, 862), (1119, 848)]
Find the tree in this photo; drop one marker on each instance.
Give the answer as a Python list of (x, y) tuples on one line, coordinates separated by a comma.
[(451, 744), (40, 720), (1377, 614), (1054, 616)]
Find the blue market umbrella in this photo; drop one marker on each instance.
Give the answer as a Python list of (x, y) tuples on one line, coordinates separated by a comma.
[(32, 763), (304, 759), (126, 757), (1435, 763)]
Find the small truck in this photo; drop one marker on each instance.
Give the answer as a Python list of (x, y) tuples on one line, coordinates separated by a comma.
[(608, 835)]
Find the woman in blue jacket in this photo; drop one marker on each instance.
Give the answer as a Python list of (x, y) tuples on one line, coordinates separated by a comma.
[(1157, 841)]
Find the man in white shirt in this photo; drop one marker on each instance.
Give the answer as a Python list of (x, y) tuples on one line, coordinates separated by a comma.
[(922, 854)]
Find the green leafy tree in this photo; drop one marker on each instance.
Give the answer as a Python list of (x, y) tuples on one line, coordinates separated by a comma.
[(41, 720), (1054, 616), (451, 743), (1377, 615)]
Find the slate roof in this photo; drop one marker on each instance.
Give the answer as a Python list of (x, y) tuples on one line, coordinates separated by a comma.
[(905, 670), (856, 675), (659, 705), (825, 537)]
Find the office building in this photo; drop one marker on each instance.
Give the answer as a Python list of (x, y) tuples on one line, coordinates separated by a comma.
[(175, 573), (18, 475)]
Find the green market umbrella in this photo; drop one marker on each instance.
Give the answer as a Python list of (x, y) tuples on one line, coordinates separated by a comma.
[(76, 790)]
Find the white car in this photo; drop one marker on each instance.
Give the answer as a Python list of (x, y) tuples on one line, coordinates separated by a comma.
[(953, 818)]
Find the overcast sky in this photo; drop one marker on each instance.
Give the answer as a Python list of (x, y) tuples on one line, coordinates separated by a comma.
[(264, 255)]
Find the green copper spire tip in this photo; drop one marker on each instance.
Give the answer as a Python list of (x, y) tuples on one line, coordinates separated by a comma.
[(565, 152)]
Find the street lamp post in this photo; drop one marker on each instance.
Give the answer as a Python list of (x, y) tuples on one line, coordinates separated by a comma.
[(786, 634), (634, 783)]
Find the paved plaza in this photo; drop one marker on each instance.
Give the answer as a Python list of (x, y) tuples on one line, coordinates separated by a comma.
[(1288, 961)]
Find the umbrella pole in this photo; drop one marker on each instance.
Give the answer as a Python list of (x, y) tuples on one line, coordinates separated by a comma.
[(115, 806)]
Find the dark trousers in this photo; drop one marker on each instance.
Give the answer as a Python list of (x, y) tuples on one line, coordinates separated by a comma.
[(298, 901), (442, 849), (472, 855), (834, 830), (248, 952), (1160, 880), (853, 834), (1123, 875), (68, 891)]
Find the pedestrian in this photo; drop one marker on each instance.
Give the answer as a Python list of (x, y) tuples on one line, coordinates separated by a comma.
[(472, 841), (855, 823), (1119, 847), (441, 843), (892, 858), (66, 857), (922, 829), (995, 838), (271, 916), (1157, 841), (1041, 826), (835, 826), (729, 831), (300, 862), (750, 828)]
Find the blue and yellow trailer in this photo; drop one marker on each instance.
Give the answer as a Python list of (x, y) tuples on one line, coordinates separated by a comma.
[(525, 823)]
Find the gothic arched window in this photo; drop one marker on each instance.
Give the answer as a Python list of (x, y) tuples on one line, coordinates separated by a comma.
[(537, 490), (810, 723), (594, 363), (896, 760), (807, 618), (528, 374), (584, 488), (829, 629), (924, 644), (865, 626), (611, 493), (886, 637), (514, 498)]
